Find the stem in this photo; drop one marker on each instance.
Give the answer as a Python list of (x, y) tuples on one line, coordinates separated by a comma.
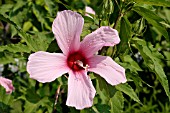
[(118, 19), (99, 23), (66, 76), (56, 98), (57, 93)]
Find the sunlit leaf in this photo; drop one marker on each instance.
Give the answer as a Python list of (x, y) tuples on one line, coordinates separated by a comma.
[(5, 8), (117, 103), (17, 107), (27, 25), (50, 6), (15, 48), (127, 89), (105, 90)]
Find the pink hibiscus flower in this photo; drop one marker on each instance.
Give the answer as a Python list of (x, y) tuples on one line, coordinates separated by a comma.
[(88, 11), (77, 59), (7, 84)]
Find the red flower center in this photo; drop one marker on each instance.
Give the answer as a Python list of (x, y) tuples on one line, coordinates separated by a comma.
[(76, 61)]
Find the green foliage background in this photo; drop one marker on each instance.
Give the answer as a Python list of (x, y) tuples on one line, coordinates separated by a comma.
[(144, 51)]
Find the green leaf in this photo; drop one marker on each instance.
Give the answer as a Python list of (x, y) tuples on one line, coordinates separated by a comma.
[(50, 6), (102, 108), (19, 14), (165, 3), (16, 107), (40, 14), (105, 90), (88, 110), (6, 19), (65, 5), (19, 4), (25, 37), (6, 59), (5, 101), (27, 25), (125, 35), (15, 48), (108, 7), (152, 59), (109, 96), (39, 43), (127, 89), (134, 65), (167, 55), (5, 8), (153, 19), (32, 107), (117, 103)]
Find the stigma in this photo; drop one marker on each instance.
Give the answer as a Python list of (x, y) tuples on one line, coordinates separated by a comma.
[(80, 63)]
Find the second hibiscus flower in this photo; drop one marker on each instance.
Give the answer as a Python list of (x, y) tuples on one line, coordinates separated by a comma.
[(77, 59)]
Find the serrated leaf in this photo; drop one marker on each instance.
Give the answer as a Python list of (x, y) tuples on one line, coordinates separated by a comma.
[(6, 59), (5, 8), (40, 43), (19, 4), (134, 64), (112, 100), (17, 107), (18, 16), (32, 107), (5, 101), (40, 14), (165, 3), (25, 37), (50, 6), (15, 48), (152, 60), (127, 89), (167, 55), (65, 5), (107, 90), (117, 103), (153, 19), (132, 73), (6, 19)]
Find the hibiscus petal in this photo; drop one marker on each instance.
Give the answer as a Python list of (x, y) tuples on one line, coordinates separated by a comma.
[(89, 10), (80, 90), (112, 72), (46, 67), (67, 28), (7, 84), (104, 36)]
